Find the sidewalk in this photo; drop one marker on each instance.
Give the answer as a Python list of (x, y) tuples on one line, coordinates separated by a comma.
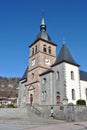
[(63, 126)]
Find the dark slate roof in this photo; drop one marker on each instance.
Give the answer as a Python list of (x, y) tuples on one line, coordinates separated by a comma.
[(25, 74), (83, 75), (43, 34), (65, 56), (46, 72)]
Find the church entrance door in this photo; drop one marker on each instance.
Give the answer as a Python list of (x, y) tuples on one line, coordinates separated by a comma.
[(31, 98), (58, 99)]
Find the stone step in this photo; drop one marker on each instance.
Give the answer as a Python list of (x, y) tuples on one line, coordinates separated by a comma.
[(17, 113), (22, 116)]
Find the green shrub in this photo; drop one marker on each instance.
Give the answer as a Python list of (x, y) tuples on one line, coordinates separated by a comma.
[(11, 106), (81, 102)]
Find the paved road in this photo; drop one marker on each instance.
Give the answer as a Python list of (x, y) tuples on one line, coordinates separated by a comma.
[(15, 127), (63, 126)]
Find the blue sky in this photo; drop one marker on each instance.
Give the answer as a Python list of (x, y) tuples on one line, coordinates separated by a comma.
[(20, 23)]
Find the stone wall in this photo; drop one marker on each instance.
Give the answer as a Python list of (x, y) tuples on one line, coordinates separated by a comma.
[(69, 112), (72, 113)]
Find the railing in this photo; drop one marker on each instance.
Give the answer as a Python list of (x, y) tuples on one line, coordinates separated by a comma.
[(33, 109)]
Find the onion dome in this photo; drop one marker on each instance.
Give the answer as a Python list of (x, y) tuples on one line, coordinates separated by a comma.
[(43, 34)]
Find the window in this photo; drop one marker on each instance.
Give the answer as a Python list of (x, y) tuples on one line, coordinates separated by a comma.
[(36, 49), (49, 50), (32, 51), (33, 62), (57, 75), (86, 93), (72, 75), (44, 95), (44, 80), (73, 94), (44, 48)]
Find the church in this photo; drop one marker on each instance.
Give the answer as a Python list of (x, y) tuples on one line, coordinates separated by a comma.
[(51, 80)]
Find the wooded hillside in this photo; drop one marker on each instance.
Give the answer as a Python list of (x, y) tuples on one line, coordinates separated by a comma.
[(8, 87)]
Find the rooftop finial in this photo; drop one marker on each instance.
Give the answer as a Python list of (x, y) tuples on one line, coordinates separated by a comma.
[(64, 41), (43, 25)]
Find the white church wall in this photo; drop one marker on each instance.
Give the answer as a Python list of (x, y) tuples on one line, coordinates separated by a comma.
[(72, 84)]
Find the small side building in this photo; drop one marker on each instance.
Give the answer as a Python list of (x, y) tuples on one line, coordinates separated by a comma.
[(22, 90)]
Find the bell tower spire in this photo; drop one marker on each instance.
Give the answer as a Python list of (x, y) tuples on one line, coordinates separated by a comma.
[(43, 25)]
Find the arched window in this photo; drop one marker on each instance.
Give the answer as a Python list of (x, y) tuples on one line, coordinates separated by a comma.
[(32, 51), (57, 75), (44, 81), (36, 49), (44, 95), (73, 94), (49, 50), (44, 48), (72, 75)]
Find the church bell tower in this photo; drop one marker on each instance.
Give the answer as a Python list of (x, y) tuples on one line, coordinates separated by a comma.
[(42, 56)]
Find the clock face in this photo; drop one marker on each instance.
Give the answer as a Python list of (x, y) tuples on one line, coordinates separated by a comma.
[(47, 61), (33, 62)]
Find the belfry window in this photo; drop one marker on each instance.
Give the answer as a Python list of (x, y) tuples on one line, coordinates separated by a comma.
[(49, 50), (72, 75), (73, 94), (44, 48), (36, 49), (32, 51)]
